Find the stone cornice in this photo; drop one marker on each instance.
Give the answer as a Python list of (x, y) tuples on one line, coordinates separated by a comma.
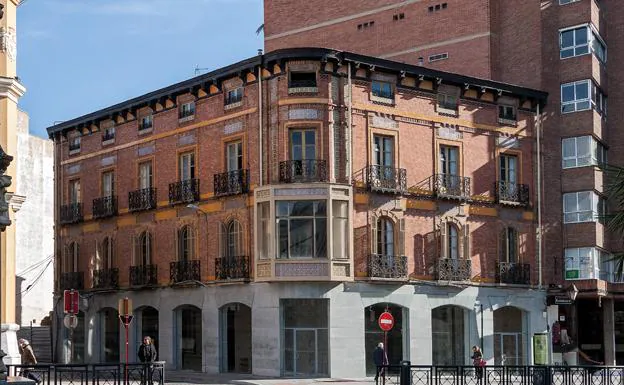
[(11, 88)]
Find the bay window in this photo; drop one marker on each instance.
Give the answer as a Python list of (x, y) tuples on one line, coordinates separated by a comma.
[(582, 263), (301, 229), (582, 206), (582, 151), (581, 40)]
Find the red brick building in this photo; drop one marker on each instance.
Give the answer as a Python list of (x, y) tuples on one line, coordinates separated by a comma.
[(570, 48), (292, 196)]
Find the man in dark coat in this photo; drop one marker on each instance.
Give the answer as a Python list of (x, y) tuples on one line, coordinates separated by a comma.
[(379, 358), (147, 354)]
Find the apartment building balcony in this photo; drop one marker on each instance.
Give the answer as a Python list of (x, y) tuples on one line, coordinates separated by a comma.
[(513, 273), (72, 280), (106, 278), (387, 266), (104, 207), (185, 191), (303, 171), (451, 186), (143, 275), (142, 199), (231, 183), (232, 268), (183, 271), (386, 179), (71, 213), (512, 193), (454, 269)]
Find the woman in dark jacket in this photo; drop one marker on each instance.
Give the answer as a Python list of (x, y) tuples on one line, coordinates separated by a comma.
[(477, 361), (147, 354)]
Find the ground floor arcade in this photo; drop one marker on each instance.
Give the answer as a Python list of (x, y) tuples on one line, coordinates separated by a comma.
[(308, 329)]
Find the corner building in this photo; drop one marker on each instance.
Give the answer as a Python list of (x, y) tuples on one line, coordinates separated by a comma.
[(262, 216), (572, 49)]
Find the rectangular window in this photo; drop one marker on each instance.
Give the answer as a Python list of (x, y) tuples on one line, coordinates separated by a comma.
[(74, 145), (582, 151), (449, 164), (582, 206), (302, 144), (507, 113), (145, 175), (146, 123), (440, 56), (382, 89), (234, 96), (563, 2), (447, 102), (264, 236), (302, 80), (108, 134), (187, 166), (74, 191), (383, 151), (508, 168), (582, 263), (581, 40), (234, 156), (301, 229), (187, 110), (340, 214), (575, 96), (108, 183)]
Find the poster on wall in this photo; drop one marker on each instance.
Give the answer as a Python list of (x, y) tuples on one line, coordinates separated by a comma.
[(540, 349)]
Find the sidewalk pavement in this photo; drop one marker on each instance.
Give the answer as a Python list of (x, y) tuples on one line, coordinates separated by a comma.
[(188, 377)]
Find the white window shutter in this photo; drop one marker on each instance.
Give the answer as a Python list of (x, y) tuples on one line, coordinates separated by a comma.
[(401, 237), (444, 240), (374, 236), (466, 239)]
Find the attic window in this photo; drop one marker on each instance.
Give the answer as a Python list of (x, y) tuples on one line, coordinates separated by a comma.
[(399, 16), (302, 80), (437, 57)]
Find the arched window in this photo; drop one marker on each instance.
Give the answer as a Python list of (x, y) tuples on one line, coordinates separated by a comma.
[(145, 248), (509, 245), (453, 241), (234, 239), (107, 250), (70, 264), (186, 244), (385, 236)]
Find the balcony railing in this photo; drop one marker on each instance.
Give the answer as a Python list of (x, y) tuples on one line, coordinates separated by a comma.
[(106, 278), (387, 266), (73, 280), (451, 186), (145, 275), (185, 191), (231, 183), (308, 170), (105, 207), (182, 271), (232, 268), (71, 213), (512, 193), (143, 199), (454, 269), (387, 179), (515, 273)]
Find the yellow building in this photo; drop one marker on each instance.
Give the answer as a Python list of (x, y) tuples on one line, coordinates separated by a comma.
[(10, 91)]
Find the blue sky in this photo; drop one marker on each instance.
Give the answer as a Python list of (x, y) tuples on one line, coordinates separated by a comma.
[(77, 56)]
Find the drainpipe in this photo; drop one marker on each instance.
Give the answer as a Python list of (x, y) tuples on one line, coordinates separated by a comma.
[(539, 199), (260, 165), (348, 161)]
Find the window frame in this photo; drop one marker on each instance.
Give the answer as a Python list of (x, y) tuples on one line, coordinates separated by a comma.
[(386, 237), (186, 243), (145, 249), (447, 149), (186, 111), (575, 102), (596, 156), (141, 177), (566, 2), (378, 90), (70, 193), (319, 251), (234, 96), (510, 245), (513, 117), (573, 258), (596, 207), (304, 144), (103, 182), (236, 144), (592, 38), (295, 86), (142, 123), (75, 145), (181, 165), (108, 134)]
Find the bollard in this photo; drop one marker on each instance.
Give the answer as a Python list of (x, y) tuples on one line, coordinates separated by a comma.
[(406, 373)]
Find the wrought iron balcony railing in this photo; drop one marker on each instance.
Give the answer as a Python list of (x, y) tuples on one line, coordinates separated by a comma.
[(143, 199), (387, 179), (182, 271), (387, 266), (232, 267), (106, 278), (73, 280), (231, 183), (512, 193), (451, 186), (307, 170), (454, 269), (184, 191), (515, 273), (144, 275), (71, 213), (105, 206)]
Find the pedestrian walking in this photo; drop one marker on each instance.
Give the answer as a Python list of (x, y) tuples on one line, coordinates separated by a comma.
[(147, 355), (28, 358), (478, 362), (380, 358)]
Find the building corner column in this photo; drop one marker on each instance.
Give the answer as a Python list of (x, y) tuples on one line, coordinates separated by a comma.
[(608, 326)]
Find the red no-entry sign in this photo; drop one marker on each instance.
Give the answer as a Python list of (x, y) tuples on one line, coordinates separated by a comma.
[(386, 321)]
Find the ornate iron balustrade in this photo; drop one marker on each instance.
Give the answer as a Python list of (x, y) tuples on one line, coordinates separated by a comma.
[(143, 199), (71, 213), (105, 207), (454, 269), (308, 170), (72, 280), (451, 186), (511, 272), (145, 275), (231, 183), (514, 193), (184, 191), (387, 179), (182, 271), (387, 266), (106, 278), (232, 267)]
